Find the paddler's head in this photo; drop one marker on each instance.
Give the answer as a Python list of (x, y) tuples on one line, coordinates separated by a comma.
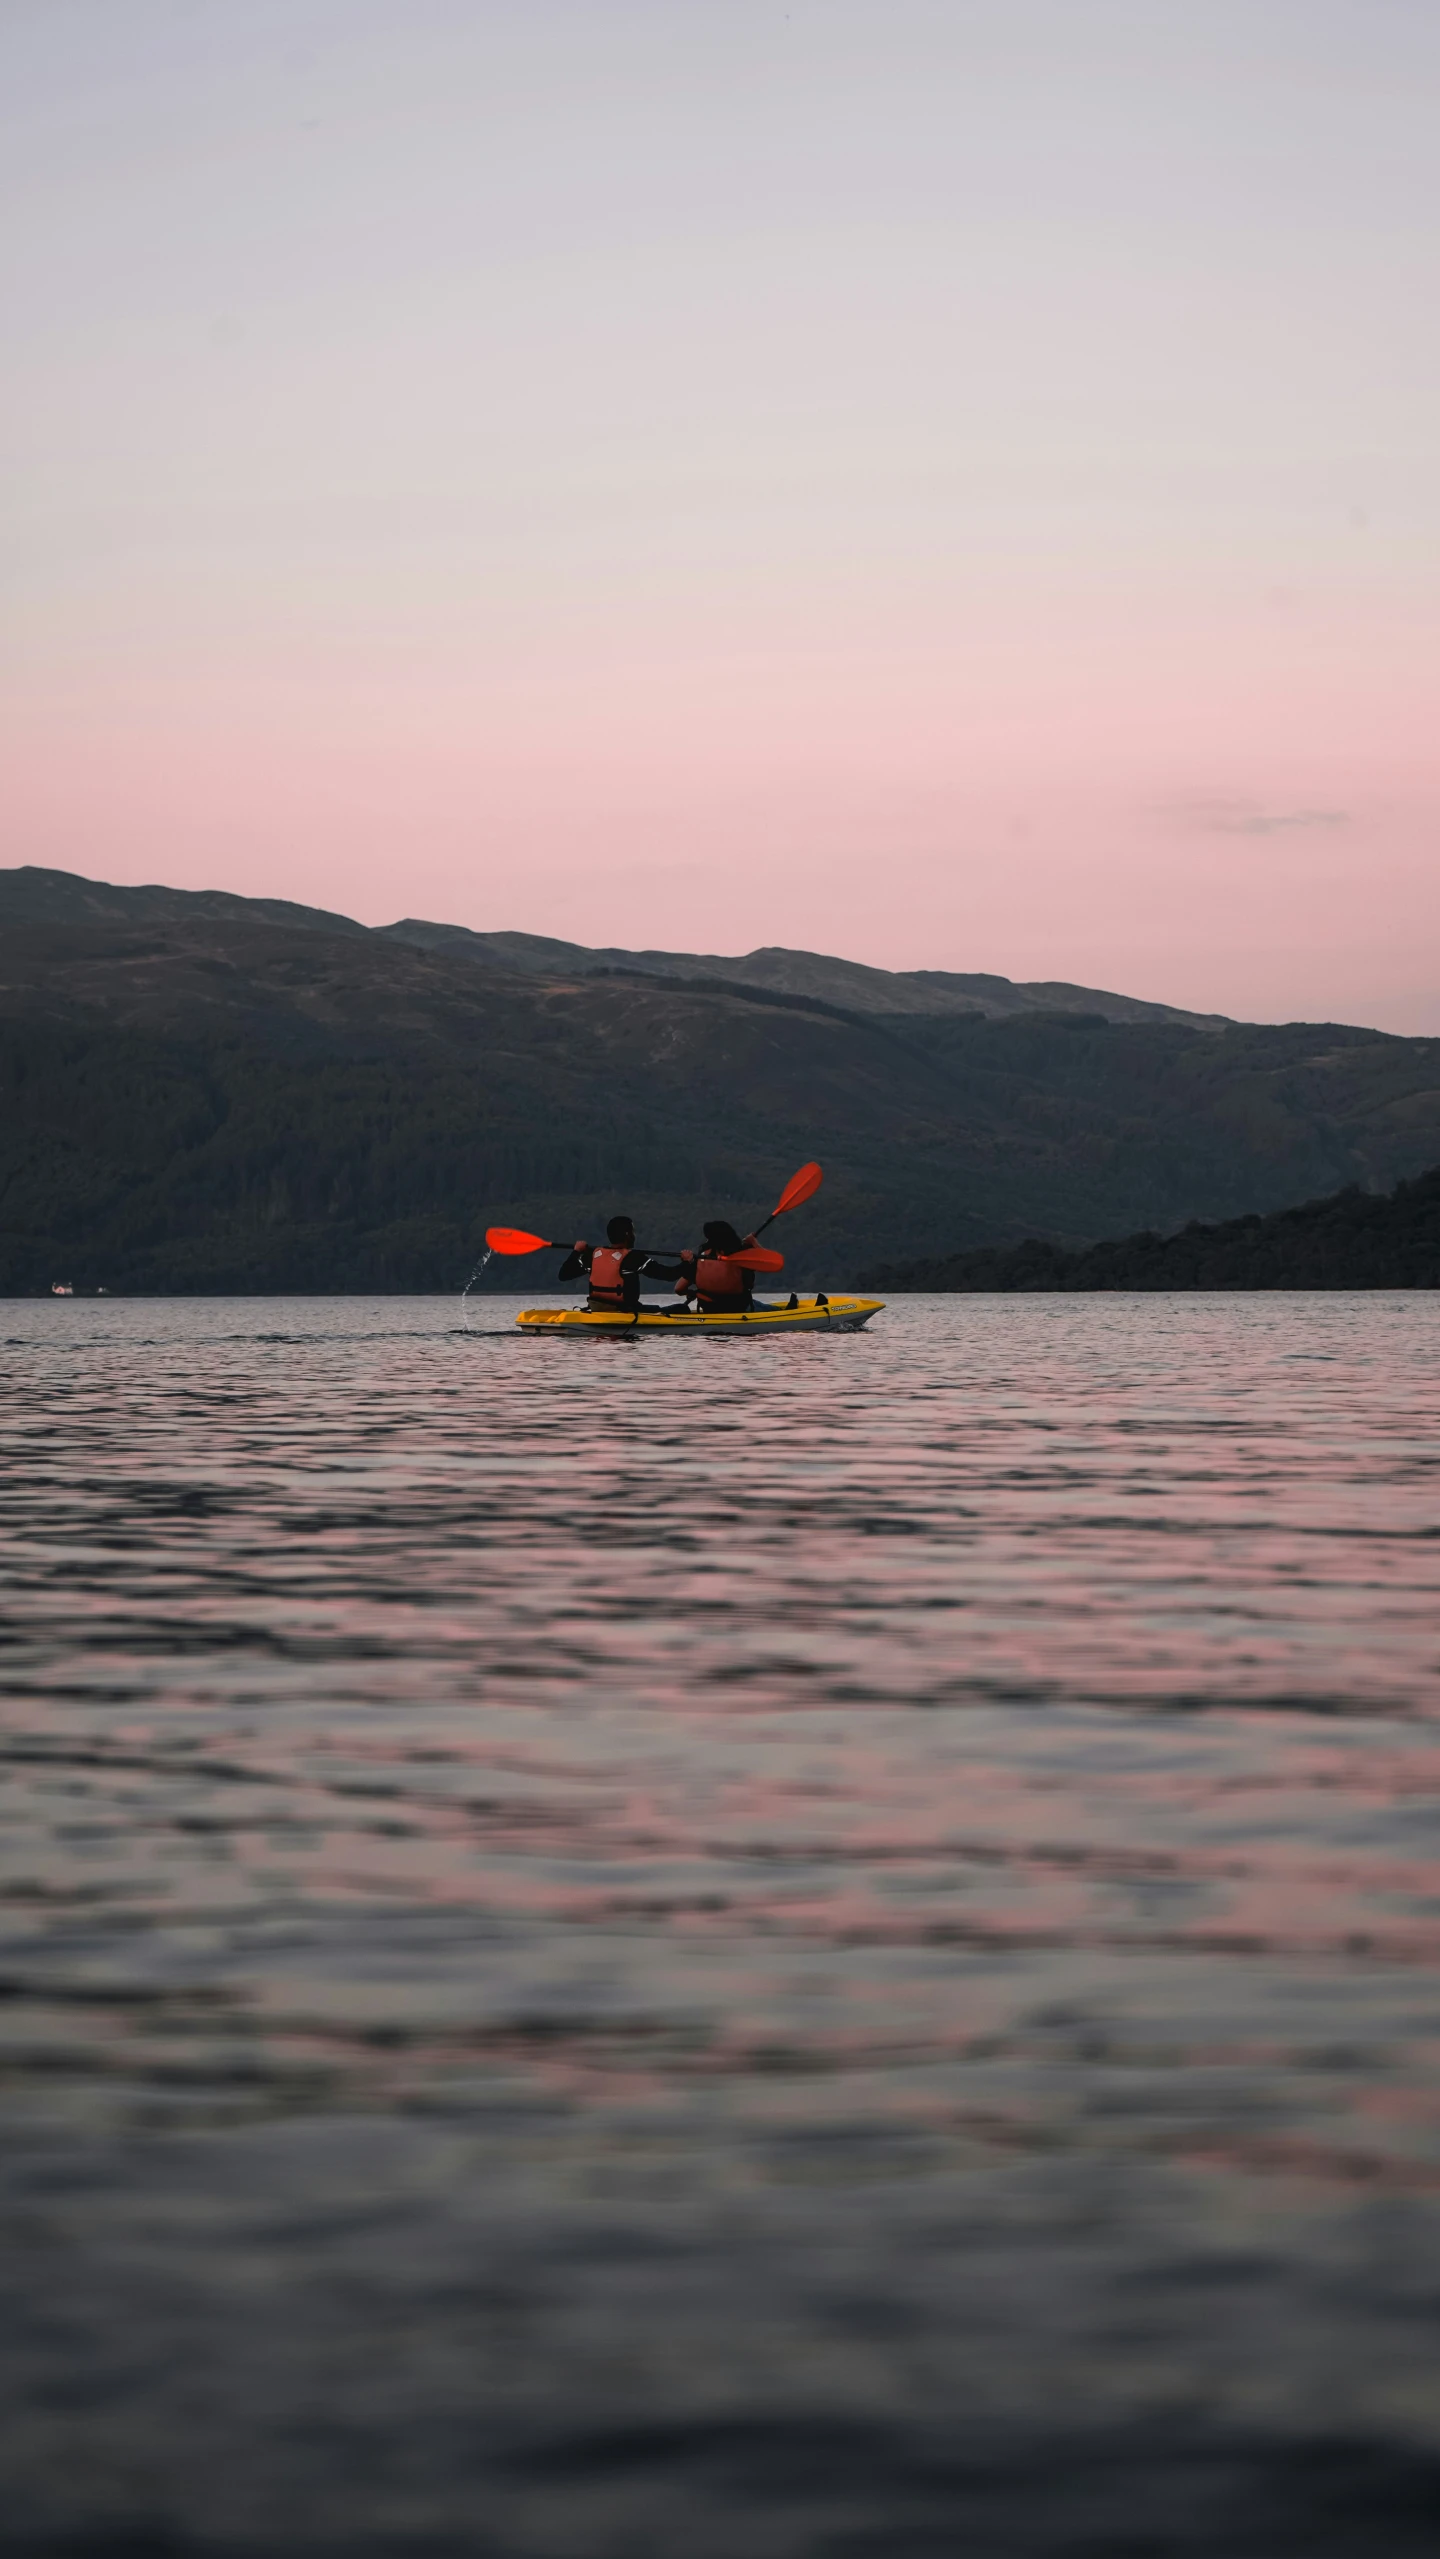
[(720, 1235), (621, 1230)]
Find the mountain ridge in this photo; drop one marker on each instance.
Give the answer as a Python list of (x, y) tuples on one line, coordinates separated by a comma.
[(199, 1091), (34, 895)]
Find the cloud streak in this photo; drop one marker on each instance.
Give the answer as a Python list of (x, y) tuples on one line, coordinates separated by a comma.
[(1215, 816)]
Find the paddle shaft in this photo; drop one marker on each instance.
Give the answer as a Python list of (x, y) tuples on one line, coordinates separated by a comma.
[(801, 1187)]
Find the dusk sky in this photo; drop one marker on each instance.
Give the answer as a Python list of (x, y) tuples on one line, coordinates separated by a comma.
[(954, 483)]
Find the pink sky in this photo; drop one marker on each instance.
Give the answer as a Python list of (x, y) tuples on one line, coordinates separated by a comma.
[(955, 485)]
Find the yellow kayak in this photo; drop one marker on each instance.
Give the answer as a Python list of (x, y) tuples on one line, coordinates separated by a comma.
[(835, 1315)]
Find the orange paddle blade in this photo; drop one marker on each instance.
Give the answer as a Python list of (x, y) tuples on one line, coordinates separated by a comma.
[(513, 1239), (801, 1186), (757, 1257)]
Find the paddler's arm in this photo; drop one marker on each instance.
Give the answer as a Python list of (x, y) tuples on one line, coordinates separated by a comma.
[(576, 1264)]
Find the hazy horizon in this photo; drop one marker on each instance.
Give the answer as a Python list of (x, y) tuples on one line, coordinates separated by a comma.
[(953, 484)]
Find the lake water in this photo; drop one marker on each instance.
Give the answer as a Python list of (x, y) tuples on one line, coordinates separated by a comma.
[(667, 1950)]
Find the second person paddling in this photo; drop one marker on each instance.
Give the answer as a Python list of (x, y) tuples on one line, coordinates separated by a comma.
[(718, 1285)]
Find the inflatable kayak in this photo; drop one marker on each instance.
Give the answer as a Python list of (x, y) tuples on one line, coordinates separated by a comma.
[(812, 1315)]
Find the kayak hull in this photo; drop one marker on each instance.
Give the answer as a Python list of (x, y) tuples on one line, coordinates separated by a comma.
[(841, 1315)]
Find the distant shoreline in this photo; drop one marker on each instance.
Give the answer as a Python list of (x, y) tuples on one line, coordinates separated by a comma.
[(1352, 1240)]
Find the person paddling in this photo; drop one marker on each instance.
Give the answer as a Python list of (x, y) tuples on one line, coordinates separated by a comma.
[(719, 1274), (718, 1285), (615, 1269)]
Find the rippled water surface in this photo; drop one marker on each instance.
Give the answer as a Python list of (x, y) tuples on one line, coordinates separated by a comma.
[(817, 1946)]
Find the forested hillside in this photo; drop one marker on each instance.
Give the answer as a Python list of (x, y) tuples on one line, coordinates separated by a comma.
[(219, 1093), (1355, 1239)]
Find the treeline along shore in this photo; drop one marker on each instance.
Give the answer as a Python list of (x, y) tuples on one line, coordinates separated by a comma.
[(202, 1093), (1354, 1239)]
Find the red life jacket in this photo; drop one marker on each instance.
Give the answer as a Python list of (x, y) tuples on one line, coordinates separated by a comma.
[(607, 1276), (720, 1286)]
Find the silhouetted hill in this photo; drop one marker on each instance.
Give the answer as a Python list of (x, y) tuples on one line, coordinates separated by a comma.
[(1354, 1239), (209, 1092), (847, 983), (33, 896)]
